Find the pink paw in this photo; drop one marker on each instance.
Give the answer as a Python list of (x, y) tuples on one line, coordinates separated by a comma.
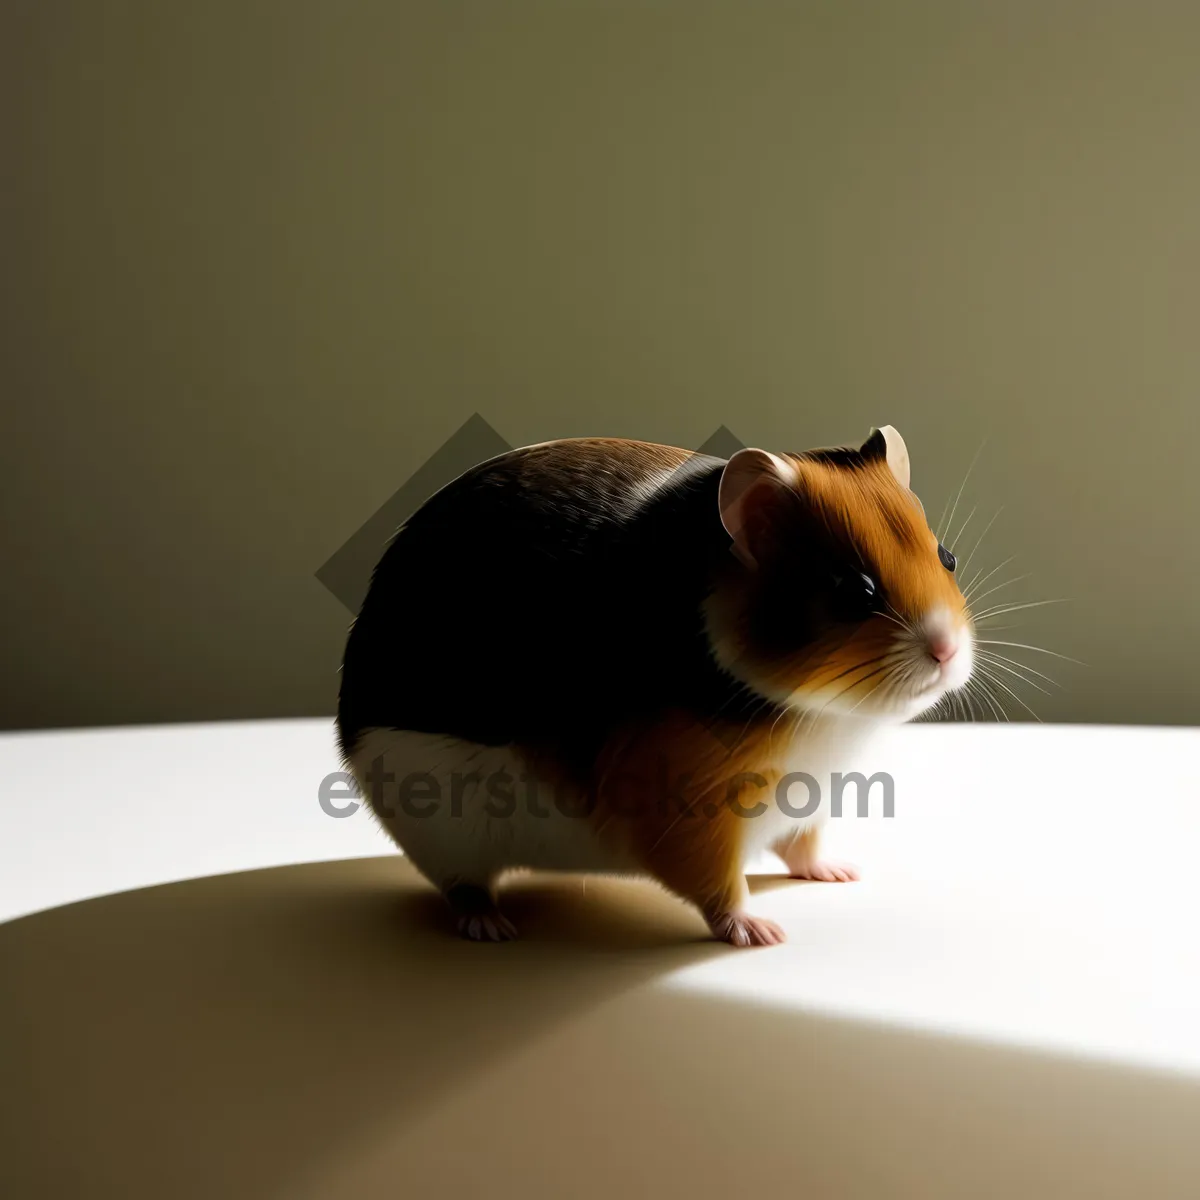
[(486, 927), (826, 871), (741, 929)]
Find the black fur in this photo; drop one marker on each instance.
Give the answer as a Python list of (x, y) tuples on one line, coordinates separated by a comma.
[(535, 600)]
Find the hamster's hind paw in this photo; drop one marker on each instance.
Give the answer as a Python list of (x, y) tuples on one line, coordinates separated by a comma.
[(743, 930), (486, 927), (479, 920)]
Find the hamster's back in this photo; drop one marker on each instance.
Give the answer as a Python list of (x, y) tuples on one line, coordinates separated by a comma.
[(537, 594)]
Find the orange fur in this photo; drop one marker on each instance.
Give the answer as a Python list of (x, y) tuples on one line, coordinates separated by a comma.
[(677, 796), (693, 842), (882, 522)]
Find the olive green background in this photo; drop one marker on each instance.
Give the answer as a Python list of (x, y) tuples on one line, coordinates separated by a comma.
[(260, 260)]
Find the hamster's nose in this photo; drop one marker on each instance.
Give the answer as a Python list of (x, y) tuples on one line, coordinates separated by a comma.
[(943, 648)]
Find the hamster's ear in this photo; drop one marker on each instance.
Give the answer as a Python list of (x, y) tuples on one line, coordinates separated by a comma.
[(752, 484), (887, 444)]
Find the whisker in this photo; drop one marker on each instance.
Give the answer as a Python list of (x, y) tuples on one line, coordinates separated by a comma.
[(984, 534), (976, 581), (899, 618), (783, 712), (999, 666), (1024, 666), (852, 684), (756, 711), (869, 675), (945, 708), (1026, 646), (1001, 684), (946, 522), (977, 690), (895, 620), (958, 536), (936, 712), (867, 696), (857, 666), (1006, 583), (997, 708), (1000, 610)]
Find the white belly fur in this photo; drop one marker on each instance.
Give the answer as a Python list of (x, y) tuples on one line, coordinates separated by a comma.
[(450, 835), (822, 748), (459, 839)]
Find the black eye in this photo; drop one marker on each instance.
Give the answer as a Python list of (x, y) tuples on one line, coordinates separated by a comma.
[(856, 593), (948, 559)]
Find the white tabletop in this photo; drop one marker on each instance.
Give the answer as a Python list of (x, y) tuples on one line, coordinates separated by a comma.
[(89, 812), (1036, 884), (1007, 1004)]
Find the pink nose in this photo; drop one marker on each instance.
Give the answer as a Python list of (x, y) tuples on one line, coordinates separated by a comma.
[(943, 649)]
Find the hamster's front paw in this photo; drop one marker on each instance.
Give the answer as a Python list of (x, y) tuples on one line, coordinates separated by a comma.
[(801, 855), (823, 870), (741, 929)]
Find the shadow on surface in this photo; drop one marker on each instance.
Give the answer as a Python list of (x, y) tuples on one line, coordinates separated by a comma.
[(687, 1093), (318, 1032), (222, 1035)]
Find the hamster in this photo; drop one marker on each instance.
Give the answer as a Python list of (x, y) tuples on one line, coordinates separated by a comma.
[(604, 655)]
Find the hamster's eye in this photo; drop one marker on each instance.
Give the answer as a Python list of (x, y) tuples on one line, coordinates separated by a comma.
[(857, 593), (948, 559)]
